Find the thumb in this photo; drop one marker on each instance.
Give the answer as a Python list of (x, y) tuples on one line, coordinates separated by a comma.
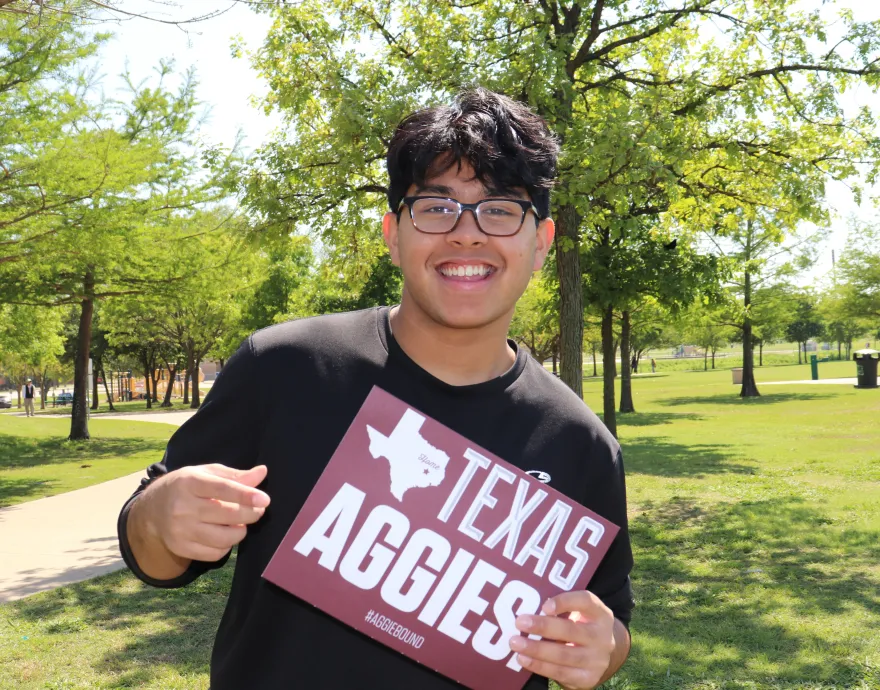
[(251, 477)]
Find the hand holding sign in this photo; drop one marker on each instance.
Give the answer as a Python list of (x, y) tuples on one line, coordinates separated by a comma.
[(430, 544), (201, 512), (575, 650)]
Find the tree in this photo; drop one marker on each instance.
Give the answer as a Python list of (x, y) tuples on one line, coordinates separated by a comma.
[(770, 314), (705, 326), (649, 328), (655, 115), (836, 311), (110, 11), (806, 323), (132, 330), (625, 269), (859, 271), (31, 344), (137, 162), (763, 249), (41, 102), (285, 268), (592, 342), (535, 323)]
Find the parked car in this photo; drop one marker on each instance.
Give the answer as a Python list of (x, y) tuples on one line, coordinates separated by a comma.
[(5, 402), (64, 399)]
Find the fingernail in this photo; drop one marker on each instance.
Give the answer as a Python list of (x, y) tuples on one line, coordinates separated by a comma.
[(549, 607), (517, 643), (260, 500), (524, 622)]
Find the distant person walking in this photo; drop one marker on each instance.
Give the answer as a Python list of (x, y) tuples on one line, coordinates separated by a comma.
[(29, 392), (653, 366)]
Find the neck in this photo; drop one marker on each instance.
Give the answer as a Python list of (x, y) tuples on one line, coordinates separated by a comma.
[(457, 356)]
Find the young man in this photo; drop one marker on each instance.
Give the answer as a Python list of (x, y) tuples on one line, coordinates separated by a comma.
[(469, 223)]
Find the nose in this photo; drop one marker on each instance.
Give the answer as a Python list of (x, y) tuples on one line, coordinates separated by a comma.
[(467, 233)]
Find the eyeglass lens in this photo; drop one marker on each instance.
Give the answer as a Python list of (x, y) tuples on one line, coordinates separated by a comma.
[(494, 217)]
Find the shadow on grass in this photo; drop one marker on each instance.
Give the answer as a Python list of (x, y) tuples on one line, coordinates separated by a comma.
[(654, 418), (192, 615), (733, 398), (703, 620), (662, 458), (760, 592), (21, 488), (18, 452)]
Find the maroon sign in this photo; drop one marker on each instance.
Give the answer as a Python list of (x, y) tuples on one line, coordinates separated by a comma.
[(431, 545)]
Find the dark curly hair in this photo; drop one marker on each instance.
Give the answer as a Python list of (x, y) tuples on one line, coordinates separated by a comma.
[(505, 143)]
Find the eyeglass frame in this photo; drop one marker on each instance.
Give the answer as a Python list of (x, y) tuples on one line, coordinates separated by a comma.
[(526, 206)]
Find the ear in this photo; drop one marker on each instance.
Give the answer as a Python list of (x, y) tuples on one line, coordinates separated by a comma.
[(389, 232), (544, 240)]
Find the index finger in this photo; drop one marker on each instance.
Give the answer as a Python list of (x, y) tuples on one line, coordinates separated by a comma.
[(579, 601), (229, 490)]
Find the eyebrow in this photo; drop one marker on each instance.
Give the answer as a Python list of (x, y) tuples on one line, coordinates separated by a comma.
[(447, 191)]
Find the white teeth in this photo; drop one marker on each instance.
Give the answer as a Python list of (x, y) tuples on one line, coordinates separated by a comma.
[(465, 271)]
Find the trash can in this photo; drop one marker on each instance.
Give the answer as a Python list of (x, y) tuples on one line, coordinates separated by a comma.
[(737, 375), (866, 368)]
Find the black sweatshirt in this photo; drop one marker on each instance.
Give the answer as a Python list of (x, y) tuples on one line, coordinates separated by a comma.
[(285, 400)]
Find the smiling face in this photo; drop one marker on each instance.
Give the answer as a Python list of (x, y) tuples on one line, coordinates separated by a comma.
[(465, 278)]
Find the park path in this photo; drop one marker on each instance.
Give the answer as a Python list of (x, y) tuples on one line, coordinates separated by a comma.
[(68, 538), (833, 382)]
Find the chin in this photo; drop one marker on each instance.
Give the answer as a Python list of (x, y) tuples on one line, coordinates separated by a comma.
[(466, 318)]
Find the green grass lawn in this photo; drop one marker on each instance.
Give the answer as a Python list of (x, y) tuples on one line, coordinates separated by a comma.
[(36, 460), (104, 408), (756, 531)]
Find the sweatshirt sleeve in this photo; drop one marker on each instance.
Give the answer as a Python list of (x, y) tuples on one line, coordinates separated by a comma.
[(611, 581), (225, 430)]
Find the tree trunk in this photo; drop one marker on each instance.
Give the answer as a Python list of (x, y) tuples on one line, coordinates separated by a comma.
[(614, 359), (96, 367), (626, 399), (155, 380), (220, 363), (555, 370), (44, 392), (749, 387), (609, 415), (169, 389), (79, 416), (714, 350), (706, 358), (761, 353), (107, 389), (799, 352), (186, 377), (196, 398), (571, 308), (595, 370), (838, 351)]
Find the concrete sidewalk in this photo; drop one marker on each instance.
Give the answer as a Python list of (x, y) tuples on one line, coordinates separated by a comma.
[(68, 538), (834, 382)]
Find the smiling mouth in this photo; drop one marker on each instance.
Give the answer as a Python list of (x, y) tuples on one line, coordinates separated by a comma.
[(471, 272)]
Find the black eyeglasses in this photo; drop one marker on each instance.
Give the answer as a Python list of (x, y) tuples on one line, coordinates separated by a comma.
[(437, 215)]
